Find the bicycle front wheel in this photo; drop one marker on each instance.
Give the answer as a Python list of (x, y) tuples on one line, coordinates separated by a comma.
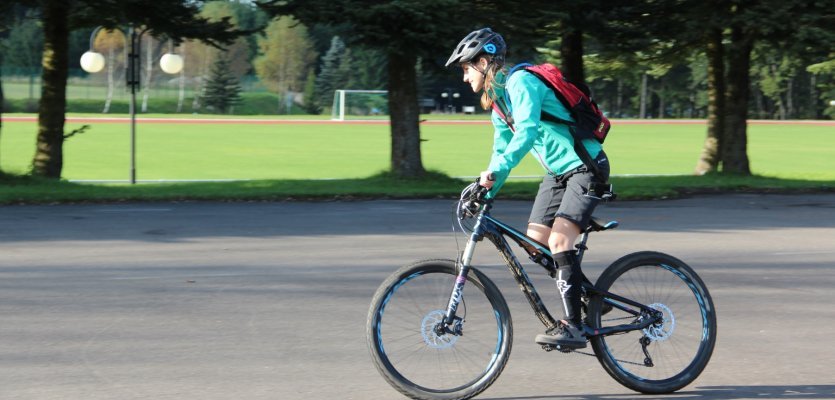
[(665, 356), (413, 357)]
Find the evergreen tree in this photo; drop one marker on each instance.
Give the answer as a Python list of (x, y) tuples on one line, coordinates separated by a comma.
[(367, 69), (335, 72), (222, 89), (311, 105)]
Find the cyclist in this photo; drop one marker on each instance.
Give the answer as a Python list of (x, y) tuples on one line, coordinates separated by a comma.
[(562, 208)]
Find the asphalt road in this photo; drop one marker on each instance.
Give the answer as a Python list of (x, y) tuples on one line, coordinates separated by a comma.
[(269, 300)]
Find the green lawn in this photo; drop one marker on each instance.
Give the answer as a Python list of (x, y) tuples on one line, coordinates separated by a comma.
[(299, 151)]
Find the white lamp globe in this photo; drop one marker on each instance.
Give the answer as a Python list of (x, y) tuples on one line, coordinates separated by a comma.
[(171, 63), (92, 62)]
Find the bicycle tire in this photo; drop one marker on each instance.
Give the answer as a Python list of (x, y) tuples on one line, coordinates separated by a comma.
[(680, 347), (428, 370)]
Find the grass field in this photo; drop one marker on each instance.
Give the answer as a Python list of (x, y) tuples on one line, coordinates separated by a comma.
[(303, 151)]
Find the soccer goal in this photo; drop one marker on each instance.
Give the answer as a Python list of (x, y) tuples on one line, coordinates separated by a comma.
[(359, 103)]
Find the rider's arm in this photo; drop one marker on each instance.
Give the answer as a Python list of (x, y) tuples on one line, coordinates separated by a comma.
[(509, 147), (501, 137)]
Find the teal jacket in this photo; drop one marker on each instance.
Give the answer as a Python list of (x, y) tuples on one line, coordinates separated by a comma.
[(551, 143)]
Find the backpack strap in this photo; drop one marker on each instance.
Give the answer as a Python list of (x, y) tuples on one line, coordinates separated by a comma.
[(501, 108), (585, 157)]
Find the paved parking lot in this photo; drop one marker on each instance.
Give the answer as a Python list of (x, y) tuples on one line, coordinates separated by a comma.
[(269, 300)]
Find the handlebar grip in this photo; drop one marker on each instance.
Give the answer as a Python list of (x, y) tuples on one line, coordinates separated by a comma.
[(491, 177)]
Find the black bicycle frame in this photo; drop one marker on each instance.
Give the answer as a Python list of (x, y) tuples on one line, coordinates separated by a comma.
[(495, 231)]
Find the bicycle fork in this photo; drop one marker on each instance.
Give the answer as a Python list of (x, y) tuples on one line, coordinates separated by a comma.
[(457, 295)]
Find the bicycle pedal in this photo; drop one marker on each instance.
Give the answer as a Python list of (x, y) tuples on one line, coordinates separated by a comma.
[(564, 350), (561, 349)]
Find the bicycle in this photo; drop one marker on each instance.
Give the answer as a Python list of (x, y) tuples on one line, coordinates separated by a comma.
[(431, 340)]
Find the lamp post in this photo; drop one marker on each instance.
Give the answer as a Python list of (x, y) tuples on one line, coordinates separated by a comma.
[(93, 62), (448, 94)]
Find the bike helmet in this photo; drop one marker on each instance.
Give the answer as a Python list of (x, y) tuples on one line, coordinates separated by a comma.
[(482, 41)]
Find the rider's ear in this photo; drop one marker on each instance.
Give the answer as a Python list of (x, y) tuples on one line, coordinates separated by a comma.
[(483, 62)]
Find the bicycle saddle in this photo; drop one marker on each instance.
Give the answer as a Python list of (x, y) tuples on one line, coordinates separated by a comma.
[(597, 224)]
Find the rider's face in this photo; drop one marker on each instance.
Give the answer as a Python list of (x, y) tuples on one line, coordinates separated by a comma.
[(473, 75)]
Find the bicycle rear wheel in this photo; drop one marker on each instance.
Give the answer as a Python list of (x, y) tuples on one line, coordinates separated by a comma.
[(417, 361), (679, 347)]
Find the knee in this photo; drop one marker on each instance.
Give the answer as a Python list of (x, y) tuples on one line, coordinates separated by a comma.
[(558, 242), (563, 234), (538, 232)]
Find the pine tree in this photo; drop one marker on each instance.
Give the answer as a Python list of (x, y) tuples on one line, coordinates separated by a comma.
[(334, 74), (311, 105), (222, 89)]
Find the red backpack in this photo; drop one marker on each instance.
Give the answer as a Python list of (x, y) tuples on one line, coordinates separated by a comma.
[(589, 121)]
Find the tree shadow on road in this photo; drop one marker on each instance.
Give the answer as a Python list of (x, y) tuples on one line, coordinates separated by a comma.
[(710, 392)]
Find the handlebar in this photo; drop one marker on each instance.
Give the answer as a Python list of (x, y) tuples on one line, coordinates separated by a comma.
[(472, 200)]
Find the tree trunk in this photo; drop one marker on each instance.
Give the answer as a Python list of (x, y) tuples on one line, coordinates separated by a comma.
[(111, 65), (404, 111), (643, 110), (571, 50), (661, 104), (778, 99), (2, 108), (49, 156), (734, 146), (813, 94), (709, 158), (790, 98), (760, 103), (202, 76), (149, 70), (691, 106), (619, 103), (181, 95)]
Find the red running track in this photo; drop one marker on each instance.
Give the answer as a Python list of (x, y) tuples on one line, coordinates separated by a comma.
[(245, 121)]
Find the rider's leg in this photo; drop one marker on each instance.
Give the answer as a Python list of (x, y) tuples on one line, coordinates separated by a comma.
[(569, 276), (569, 282), (560, 238), (573, 211)]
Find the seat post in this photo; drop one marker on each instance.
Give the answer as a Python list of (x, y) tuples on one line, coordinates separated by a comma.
[(581, 246)]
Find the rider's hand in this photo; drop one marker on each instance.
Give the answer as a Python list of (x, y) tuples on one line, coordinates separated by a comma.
[(487, 179)]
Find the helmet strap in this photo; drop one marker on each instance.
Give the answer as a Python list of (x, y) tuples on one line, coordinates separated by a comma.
[(483, 71)]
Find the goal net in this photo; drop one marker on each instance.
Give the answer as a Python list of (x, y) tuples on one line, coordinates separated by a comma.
[(359, 104)]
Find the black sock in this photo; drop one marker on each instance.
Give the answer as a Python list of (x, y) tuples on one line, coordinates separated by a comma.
[(569, 281)]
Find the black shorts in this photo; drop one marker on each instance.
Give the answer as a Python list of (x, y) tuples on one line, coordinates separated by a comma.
[(565, 196)]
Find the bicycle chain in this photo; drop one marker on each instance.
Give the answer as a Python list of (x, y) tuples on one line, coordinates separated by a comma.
[(594, 355)]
